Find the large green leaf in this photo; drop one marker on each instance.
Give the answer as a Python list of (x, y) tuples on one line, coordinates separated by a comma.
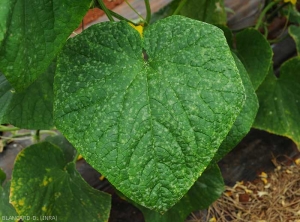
[(152, 125), (32, 33), (210, 11), (245, 119), (45, 184), (7, 211), (31, 109), (255, 53), (203, 193), (279, 107), (294, 31)]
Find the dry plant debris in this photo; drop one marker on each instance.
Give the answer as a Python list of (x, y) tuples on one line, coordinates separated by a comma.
[(270, 198)]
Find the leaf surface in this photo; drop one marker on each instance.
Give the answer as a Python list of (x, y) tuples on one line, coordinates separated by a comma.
[(255, 53), (294, 31), (32, 33), (203, 193), (279, 101), (32, 108), (210, 11), (45, 184), (7, 211), (150, 126), (245, 119)]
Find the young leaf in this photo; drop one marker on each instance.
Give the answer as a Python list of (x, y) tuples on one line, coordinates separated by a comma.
[(203, 193), (294, 31), (31, 109), (45, 184), (279, 100), (245, 119), (210, 11), (255, 53), (32, 33), (150, 126)]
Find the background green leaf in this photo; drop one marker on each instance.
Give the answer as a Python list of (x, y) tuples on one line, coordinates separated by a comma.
[(294, 31), (31, 109), (32, 33), (152, 126), (67, 148), (279, 100), (292, 13), (255, 53), (6, 209), (45, 184), (210, 11), (245, 119), (203, 193)]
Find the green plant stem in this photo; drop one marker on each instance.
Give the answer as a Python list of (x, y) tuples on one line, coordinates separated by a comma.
[(8, 128), (76, 157), (37, 136), (279, 37), (106, 11), (276, 10), (148, 9), (181, 4), (17, 136), (51, 132), (130, 6), (263, 14), (120, 17), (22, 136)]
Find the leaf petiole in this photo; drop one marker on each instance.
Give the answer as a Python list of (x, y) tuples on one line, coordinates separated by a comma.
[(133, 9), (8, 128), (106, 11), (120, 17), (263, 13), (148, 9), (178, 9)]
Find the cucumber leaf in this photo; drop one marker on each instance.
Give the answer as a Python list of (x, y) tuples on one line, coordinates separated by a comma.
[(203, 193), (210, 11), (32, 108), (279, 102), (294, 32), (148, 113), (255, 53), (7, 211), (45, 184), (245, 119), (31, 35)]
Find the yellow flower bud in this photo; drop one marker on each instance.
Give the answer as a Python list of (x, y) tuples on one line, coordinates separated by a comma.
[(139, 28)]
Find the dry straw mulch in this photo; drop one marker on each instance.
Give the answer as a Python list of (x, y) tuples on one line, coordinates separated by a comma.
[(270, 198)]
